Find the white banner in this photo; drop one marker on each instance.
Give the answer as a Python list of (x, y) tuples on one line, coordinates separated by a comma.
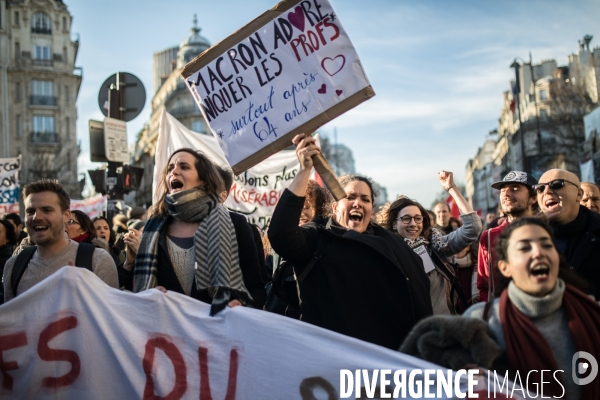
[(93, 207), (258, 85), (254, 193), (73, 337), (9, 184)]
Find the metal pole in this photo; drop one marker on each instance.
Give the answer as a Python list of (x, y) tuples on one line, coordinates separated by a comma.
[(537, 115), (112, 175), (524, 165)]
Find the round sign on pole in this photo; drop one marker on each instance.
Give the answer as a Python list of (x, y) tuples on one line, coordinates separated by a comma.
[(134, 95)]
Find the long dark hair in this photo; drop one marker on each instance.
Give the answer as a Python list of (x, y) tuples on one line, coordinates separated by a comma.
[(85, 222), (112, 238), (207, 173), (390, 214)]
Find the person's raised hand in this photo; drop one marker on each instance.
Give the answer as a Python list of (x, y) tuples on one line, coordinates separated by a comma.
[(305, 148), (446, 179)]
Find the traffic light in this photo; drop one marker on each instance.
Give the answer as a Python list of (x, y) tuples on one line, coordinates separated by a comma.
[(98, 178), (131, 177)]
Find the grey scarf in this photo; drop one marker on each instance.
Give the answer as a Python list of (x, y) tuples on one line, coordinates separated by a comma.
[(215, 244)]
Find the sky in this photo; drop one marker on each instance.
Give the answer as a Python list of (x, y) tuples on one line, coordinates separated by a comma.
[(438, 69)]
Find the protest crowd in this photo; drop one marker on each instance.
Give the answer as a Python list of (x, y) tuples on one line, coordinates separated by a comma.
[(516, 292)]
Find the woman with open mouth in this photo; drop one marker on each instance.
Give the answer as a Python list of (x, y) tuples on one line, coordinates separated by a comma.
[(540, 319), (355, 277), (189, 242), (410, 220)]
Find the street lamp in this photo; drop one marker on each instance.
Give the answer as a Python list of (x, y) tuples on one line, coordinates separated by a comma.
[(516, 92)]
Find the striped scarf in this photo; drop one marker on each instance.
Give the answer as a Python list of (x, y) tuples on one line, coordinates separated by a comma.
[(215, 244)]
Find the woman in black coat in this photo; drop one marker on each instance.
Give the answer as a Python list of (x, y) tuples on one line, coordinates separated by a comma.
[(8, 240), (367, 282)]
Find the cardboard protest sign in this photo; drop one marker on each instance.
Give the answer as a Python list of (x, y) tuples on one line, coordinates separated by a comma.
[(9, 184), (254, 193), (73, 337), (289, 71)]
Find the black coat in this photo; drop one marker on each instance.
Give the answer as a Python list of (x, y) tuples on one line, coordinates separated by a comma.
[(369, 286), (248, 264), (585, 256)]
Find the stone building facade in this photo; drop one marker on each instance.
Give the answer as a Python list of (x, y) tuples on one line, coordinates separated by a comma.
[(546, 105), (39, 87)]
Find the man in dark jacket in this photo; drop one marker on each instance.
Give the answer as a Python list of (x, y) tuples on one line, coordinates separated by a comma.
[(576, 228)]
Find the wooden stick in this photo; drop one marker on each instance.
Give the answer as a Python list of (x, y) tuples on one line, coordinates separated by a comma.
[(328, 176)]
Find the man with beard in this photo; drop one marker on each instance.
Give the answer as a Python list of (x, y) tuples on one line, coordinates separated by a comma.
[(517, 199), (576, 228), (46, 213)]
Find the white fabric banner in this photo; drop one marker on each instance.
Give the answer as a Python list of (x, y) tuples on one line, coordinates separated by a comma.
[(93, 207), (9, 184), (73, 337), (254, 193)]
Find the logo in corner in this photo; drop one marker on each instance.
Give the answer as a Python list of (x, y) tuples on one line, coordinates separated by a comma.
[(580, 367)]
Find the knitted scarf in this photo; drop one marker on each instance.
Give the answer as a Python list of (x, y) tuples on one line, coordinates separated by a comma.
[(527, 349), (216, 249), (436, 241)]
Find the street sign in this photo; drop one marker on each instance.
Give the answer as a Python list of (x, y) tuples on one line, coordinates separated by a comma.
[(97, 146), (132, 91), (115, 140)]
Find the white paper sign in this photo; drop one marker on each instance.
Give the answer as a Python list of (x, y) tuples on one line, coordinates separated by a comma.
[(73, 337), (427, 262), (254, 193), (9, 184), (291, 70), (115, 140)]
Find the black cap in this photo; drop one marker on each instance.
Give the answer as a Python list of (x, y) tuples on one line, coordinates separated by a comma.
[(516, 177)]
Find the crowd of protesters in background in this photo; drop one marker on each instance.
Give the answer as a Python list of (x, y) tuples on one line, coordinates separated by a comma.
[(531, 272)]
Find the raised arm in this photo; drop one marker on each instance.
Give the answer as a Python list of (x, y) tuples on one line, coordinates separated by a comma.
[(447, 181)]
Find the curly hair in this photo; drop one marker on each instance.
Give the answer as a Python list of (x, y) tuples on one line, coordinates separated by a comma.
[(389, 214), (318, 199)]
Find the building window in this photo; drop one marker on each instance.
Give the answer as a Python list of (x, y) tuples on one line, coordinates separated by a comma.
[(64, 23), (198, 126), (543, 113), (68, 127), (43, 124), (543, 95), (42, 53), (67, 98), (40, 23), (17, 18), (18, 92), (65, 54), (42, 93), (17, 50), (18, 127)]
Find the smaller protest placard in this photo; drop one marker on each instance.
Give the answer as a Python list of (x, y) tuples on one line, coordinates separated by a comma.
[(93, 206), (289, 71), (9, 184)]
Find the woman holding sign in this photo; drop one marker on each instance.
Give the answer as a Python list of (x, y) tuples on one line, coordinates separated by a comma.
[(189, 244), (410, 220), (355, 278)]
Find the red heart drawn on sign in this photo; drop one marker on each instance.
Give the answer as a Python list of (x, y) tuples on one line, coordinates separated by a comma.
[(338, 92), (322, 89), (296, 18), (333, 65)]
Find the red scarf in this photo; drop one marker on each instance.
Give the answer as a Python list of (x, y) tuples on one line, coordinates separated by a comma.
[(527, 349), (81, 238)]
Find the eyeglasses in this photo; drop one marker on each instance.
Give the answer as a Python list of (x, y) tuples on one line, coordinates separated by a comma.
[(72, 221), (407, 218), (554, 185)]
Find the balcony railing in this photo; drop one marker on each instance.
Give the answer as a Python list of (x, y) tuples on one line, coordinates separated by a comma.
[(41, 30), (39, 62), (44, 138), (42, 100)]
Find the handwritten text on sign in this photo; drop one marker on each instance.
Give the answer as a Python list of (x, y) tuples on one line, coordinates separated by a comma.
[(286, 73), (9, 184)]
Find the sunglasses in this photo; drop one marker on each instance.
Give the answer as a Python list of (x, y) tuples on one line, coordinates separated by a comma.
[(72, 221), (554, 185)]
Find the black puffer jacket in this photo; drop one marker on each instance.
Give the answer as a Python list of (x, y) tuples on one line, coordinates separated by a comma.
[(6, 252), (370, 286)]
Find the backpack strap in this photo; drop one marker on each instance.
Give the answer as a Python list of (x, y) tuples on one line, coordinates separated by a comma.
[(487, 309), (451, 277), (322, 241), (20, 266), (85, 255)]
